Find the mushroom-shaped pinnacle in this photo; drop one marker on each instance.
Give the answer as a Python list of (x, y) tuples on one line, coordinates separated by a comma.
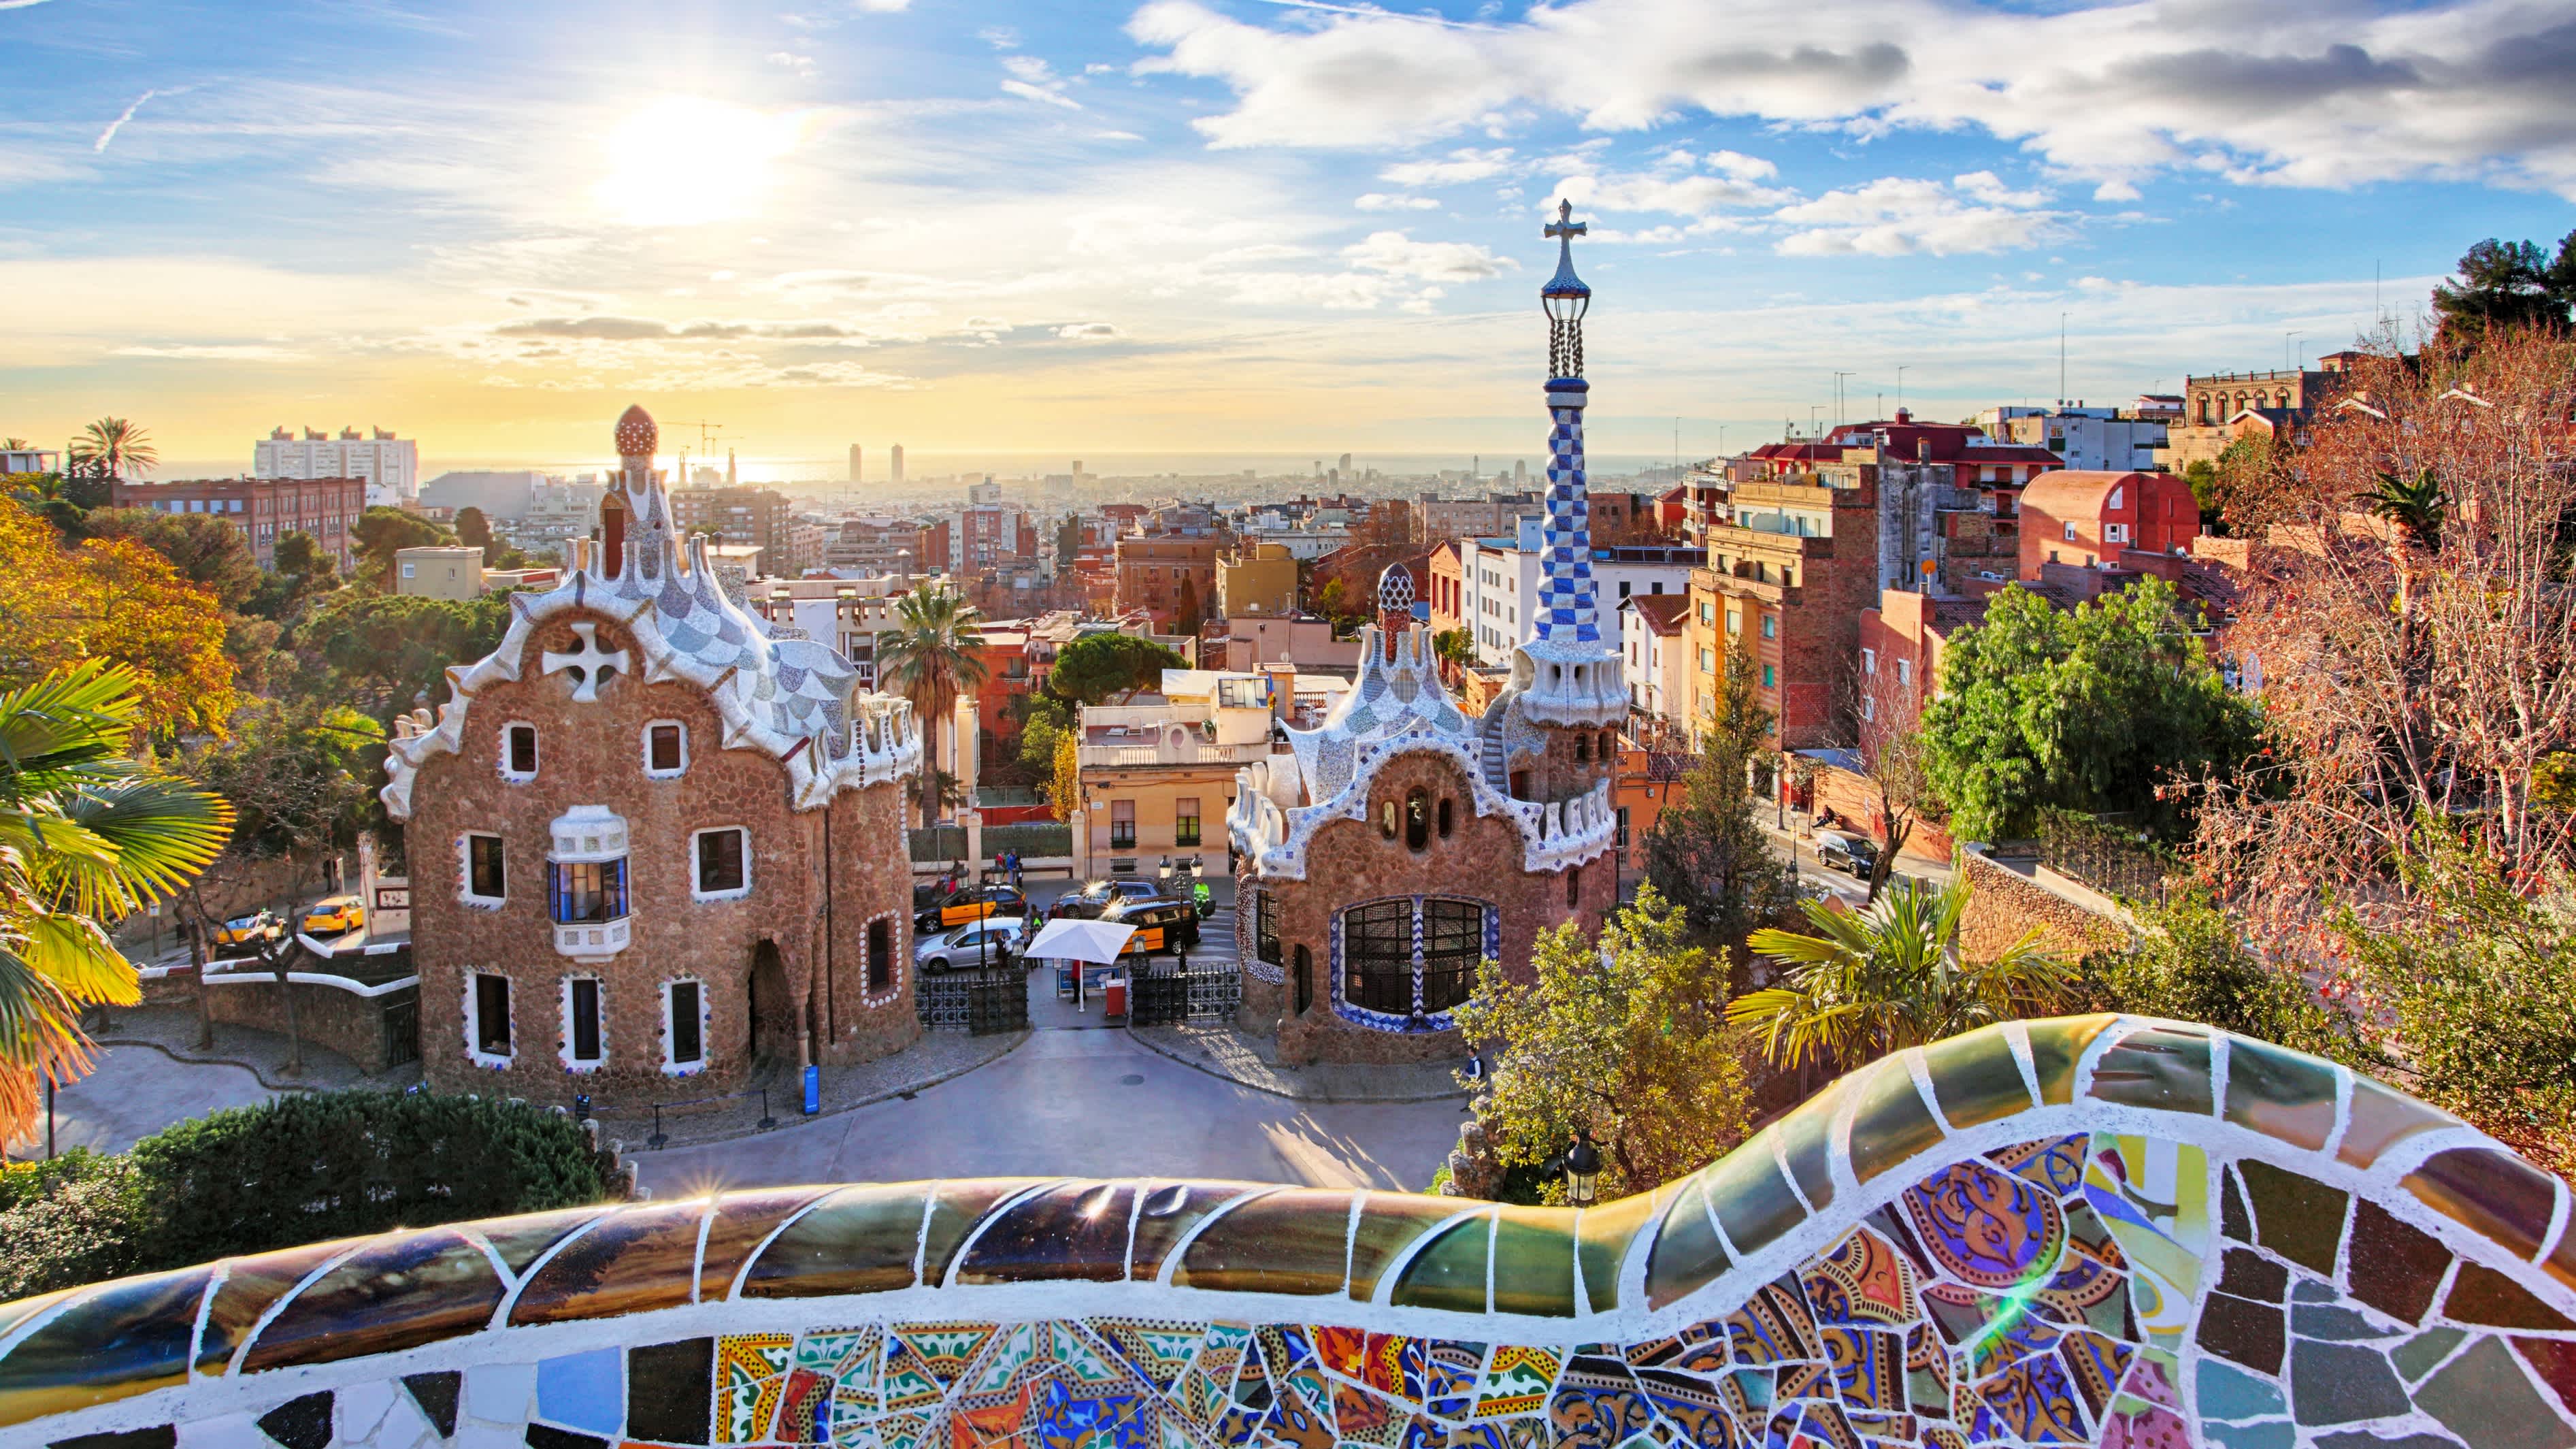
[(636, 435)]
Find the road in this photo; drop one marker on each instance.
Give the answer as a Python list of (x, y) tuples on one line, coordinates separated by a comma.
[(136, 1092), (1081, 1100)]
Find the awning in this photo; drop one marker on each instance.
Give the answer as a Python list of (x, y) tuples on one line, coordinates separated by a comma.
[(1079, 940)]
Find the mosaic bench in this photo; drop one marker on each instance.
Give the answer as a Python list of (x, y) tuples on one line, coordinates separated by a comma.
[(2092, 1230)]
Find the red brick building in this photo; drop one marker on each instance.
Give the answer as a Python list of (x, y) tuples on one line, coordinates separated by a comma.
[(1151, 567), (264, 509), (2098, 520), (1446, 593), (650, 839)]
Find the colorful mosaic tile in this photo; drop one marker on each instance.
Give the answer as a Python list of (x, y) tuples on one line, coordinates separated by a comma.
[(2173, 1281)]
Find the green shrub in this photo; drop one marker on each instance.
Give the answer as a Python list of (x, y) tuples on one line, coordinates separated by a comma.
[(298, 1169), (2191, 963), (89, 1225)]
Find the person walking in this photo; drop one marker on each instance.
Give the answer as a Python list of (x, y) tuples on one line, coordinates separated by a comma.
[(1016, 880)]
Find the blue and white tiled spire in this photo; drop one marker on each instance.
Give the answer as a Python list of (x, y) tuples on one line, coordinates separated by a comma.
[(1567, 674), (1567, 612)]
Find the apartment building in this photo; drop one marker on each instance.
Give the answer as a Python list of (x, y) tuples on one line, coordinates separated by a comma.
[(1499, 580), (1258, 578), (264, 509), (759, 517)]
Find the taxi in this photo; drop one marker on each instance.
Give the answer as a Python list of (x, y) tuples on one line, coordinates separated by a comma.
[(971, 903), (333, 915)]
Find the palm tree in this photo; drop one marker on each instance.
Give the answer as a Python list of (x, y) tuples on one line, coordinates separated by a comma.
[(110, 447), (87, 835), (929, 657), (1889, 976), (2413, 504)]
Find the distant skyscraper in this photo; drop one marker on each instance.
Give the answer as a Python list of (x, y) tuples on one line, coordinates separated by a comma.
[(1346, 463), (854, 463), (732, 479), (1520, 472), (894, 462)]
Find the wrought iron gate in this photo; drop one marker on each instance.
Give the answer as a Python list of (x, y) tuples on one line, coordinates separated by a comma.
[(1209, 993), (976, 1002), (402, 1028)]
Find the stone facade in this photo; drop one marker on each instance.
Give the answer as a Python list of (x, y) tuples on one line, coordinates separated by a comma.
[(1354, 863), (2008, 903), (647, 805)]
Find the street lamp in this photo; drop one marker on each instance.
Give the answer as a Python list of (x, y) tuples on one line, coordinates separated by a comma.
[(1582, 1169)]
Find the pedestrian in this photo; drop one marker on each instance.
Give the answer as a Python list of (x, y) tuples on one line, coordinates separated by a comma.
[(1016, 879)]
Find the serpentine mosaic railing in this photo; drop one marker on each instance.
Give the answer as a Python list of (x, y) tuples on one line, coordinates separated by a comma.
[(2093, 1230)]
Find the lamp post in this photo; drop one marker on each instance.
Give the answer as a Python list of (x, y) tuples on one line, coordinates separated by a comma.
[(1582, 1169)]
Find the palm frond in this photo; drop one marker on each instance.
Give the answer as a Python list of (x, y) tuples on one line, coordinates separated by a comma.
[(162, 832), (76, 956)]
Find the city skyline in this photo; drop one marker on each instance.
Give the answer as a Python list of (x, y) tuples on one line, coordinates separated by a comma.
[(1246, 229)]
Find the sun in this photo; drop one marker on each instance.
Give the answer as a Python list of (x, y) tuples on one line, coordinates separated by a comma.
[(690, 159)]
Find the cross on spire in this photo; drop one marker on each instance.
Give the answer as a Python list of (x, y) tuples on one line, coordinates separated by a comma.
[(1565, 226)]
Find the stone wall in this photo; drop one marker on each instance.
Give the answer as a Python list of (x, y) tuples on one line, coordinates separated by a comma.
[(2007, 903), (328, 1016)]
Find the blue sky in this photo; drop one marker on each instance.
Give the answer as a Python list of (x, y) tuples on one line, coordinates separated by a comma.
[(1207, 225)]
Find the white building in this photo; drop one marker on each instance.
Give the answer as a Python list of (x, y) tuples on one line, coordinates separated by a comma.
[(2088, 438), (390, 465), (1652, 646), (1499, 583)]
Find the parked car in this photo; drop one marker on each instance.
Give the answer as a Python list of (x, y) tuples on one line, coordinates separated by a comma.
[(992, 941), (971, 903), (1162, 923), (1851, 852), (252, 929), (332, 915), (1087, 903)]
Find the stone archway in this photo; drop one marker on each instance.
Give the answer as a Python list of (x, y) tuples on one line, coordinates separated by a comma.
[(771, 1008)]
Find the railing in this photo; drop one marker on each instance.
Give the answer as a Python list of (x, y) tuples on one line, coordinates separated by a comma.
[(979, 1002), (2107, 856), (1189, 752)]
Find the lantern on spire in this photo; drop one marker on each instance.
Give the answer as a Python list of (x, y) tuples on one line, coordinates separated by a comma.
[(1565, 298)]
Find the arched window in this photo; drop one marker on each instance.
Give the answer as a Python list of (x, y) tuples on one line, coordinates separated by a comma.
[(1305, 970), (1386, 820), (1609, 747), (1583, 749), (1573, 887), (1444, 817), (1411, 956), (1417, 819)]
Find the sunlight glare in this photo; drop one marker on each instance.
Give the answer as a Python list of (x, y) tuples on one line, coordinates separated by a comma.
[(690, 159)]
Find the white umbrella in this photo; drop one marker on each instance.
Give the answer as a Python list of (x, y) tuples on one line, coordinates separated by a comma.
[(1099, 942)]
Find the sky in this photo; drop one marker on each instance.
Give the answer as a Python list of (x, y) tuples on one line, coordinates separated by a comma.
[(1220, 226)]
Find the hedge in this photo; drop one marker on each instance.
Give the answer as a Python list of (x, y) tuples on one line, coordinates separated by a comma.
[(298, 1169)]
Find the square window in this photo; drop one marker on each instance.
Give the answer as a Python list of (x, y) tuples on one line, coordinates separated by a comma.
[(486, 871), (1905, 671), (1122, 825), (492, 1015), (1770, 626), (1735, 621), (1185, 822), (581, 1027), (1869, 661), (1770, 677), (519, 751), (723, 858), (666, 749)]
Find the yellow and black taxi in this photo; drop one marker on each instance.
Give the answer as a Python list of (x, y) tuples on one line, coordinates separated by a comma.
[(333, 916), (1162, 923), (1087, 903), (251, 930), (970, 903)]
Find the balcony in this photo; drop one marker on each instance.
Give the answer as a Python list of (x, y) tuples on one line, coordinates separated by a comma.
[(1188, 750), (593, 938)]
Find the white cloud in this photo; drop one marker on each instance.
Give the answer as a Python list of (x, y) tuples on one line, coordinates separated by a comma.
[(2305, 95), (2116, 190), (119, 123), (215, 352), (1899, 216), (1677, 195), (1399, 255), (1088, 332), (1033, 79), (1383, 201), (788, 60), (1458, 166), (882, 7)]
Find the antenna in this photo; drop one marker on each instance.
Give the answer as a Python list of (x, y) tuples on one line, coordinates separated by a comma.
[(1900, 385), (2061, 361), (1838, 397)]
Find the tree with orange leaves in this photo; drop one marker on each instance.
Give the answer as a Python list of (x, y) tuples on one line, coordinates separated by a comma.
[(115, 600)]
